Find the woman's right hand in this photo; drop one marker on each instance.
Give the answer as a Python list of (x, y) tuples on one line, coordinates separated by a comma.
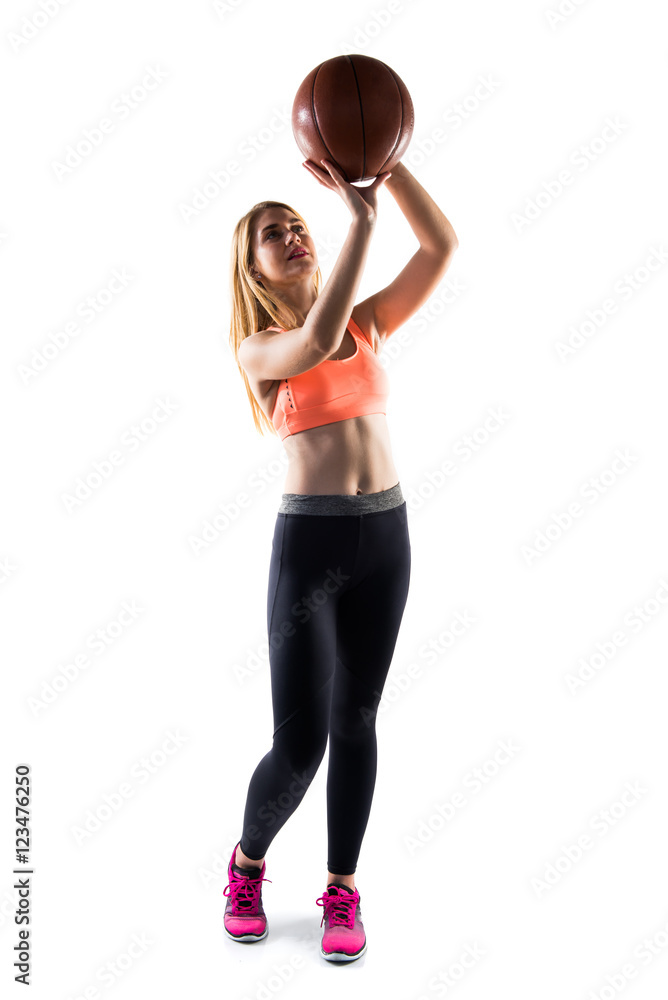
[(361, 201)]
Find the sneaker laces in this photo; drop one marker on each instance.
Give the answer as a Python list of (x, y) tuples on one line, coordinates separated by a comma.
[(339, 908), (244, 891)]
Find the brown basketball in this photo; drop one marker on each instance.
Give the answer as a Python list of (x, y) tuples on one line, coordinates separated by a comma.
[(355, 111)]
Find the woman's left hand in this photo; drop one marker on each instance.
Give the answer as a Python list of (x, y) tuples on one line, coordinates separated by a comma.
[(357, 198)]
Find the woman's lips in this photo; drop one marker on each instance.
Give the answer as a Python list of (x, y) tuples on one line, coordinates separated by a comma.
[(298, 253)]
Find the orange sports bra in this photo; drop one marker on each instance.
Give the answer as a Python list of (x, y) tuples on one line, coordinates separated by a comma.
[(333, 390)]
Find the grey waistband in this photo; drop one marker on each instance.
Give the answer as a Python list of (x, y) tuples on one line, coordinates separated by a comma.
[(341, 503)]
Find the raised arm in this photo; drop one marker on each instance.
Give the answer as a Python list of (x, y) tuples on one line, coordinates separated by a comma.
[(269, 355), (394, 305)]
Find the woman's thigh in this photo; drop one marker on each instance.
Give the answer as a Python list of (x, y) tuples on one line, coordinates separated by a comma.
[(312, 561), (371, 609)]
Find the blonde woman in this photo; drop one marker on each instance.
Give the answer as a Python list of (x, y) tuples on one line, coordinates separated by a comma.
[(340, 561)]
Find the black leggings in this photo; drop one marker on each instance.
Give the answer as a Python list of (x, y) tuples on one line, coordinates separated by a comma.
[(338, 584)]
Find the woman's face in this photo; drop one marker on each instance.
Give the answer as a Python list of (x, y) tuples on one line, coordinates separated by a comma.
[(277, 235)]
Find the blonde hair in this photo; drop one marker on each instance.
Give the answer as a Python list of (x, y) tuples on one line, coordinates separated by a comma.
[(253, 308)]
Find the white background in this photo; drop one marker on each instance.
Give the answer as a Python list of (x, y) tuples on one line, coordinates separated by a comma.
[(156, 865)]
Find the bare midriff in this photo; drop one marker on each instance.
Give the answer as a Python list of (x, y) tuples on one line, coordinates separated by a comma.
[(351, 456)]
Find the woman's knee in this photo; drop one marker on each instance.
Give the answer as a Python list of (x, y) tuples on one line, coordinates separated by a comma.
[(301, 751), (355, 723)]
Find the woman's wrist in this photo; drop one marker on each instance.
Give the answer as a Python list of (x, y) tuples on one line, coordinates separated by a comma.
[(364, 221), (398, 173)]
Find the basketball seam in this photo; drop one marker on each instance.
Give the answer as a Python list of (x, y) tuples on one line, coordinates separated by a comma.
[(401, 122), (315, 118), (359, 98)]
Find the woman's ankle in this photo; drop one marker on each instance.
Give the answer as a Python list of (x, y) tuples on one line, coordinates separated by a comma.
[(347, 880), (242, 861)]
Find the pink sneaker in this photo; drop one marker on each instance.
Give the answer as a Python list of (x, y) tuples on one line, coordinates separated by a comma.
[(343, 939), (244, 918)]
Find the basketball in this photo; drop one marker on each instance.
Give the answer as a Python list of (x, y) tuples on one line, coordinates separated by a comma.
[(355, 111)]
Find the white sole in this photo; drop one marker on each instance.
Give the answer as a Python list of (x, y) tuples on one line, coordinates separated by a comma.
[(247, 937), (340, 956)]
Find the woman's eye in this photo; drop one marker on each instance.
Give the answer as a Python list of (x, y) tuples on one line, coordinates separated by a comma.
[(273, 233)]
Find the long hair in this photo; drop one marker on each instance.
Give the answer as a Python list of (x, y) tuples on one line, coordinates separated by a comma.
[(253, 308)]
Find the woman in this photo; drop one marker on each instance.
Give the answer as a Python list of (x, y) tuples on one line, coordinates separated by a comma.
[(340, 562)]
